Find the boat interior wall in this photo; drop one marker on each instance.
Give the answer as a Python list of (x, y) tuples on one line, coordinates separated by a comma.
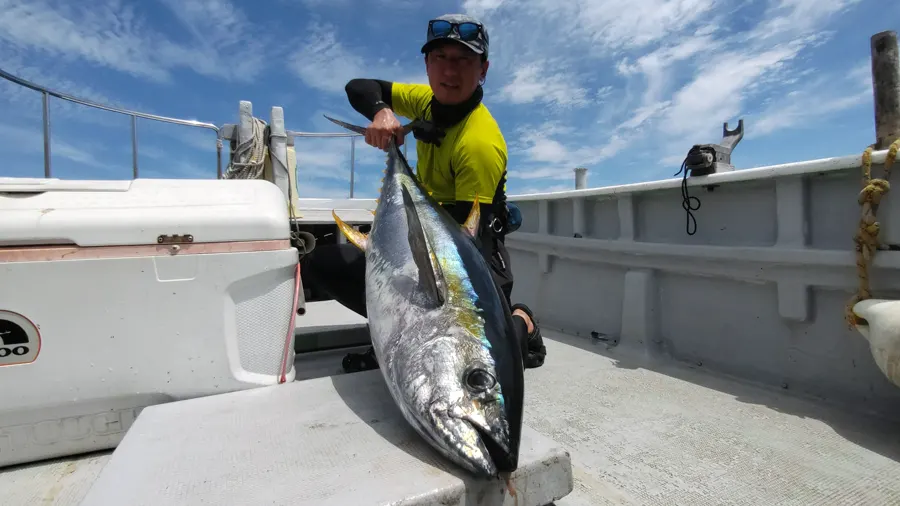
[(759, 291)]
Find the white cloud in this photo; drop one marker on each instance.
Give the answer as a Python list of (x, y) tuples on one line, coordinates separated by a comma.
[(719, 88), (813, 100), (581, 82), (14, 62), (326, 64), (23, 140), (481, 7), (224, 44), (539, 82), (635, 24), (658, 75), (797, 16), (544, 155), (109, 34), (310, 188), (323, 158), (176, 169)]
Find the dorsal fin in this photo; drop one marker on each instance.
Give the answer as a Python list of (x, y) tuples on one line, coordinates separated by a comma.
[(471, 225), (419, 247)]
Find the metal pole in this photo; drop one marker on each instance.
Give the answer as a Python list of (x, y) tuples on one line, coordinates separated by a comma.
[(46, 93), (70, 98), (134, 147), (580, 178), (219, 155), (886, 88), (352, 162), (46, 107)]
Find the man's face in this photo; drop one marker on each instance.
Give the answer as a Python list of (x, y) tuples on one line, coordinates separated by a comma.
[(454, 72)]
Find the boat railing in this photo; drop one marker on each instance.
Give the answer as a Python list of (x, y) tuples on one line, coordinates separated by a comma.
[(222, 132), (46, 93), (293, 134)]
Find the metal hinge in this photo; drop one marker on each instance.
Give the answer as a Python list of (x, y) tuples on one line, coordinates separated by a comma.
[(175, 239)]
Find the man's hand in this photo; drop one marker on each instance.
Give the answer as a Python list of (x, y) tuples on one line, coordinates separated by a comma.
[(379, 132)]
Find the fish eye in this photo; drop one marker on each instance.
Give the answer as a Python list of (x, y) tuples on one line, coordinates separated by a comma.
[(480, 380)]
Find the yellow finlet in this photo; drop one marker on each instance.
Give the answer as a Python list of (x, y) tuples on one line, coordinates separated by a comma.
[(373, 212), (471, 224), (354, 236)]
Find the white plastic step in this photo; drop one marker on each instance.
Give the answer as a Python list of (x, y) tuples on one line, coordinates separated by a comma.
[(327, 316), (328, 324), (338, 440)]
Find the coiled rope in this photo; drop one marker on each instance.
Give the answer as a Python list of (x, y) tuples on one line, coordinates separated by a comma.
[(248, 158), (866, 237)]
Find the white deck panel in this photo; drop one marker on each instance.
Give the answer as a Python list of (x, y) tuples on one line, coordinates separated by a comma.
[(327, 316), (336, 441), (642, 433)]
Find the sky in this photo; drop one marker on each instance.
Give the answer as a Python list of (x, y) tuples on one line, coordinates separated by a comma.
[(621, 88)]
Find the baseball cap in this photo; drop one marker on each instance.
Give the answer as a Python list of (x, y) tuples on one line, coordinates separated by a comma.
[(458, 27)]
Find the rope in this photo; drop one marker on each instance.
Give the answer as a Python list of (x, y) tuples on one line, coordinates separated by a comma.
[(248, 158), (866, 237), (282, 377), (687, 201)]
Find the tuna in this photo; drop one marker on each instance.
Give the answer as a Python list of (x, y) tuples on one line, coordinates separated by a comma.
[(441, 330)]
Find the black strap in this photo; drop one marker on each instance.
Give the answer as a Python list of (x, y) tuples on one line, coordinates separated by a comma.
[(443, 117)]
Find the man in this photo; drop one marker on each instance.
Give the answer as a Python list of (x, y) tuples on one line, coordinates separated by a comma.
[(461, 152)]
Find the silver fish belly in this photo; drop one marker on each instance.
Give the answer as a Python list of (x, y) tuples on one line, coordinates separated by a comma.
[(440, 329)]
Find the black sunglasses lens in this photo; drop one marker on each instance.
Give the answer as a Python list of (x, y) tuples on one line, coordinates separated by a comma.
[(441, 28), (468, 31)]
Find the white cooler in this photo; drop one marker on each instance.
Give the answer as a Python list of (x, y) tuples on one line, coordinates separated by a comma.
[(122, 294)]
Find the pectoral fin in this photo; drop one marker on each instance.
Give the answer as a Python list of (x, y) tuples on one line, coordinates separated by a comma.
[(356, 237), (471, 224), (428, 278)]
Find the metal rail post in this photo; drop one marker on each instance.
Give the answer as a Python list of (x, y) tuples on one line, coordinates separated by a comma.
[(134, 146), (580, 178), (886, 88), (352, 163), (46, 93), (45, 103)]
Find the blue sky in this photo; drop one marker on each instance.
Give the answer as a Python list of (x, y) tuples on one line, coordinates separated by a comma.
[(623, 88)]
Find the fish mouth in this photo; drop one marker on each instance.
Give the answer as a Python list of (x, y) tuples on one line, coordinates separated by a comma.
[(476, 447), (497, 451)]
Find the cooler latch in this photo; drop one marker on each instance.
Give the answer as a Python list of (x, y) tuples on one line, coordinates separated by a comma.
[(175, 239)]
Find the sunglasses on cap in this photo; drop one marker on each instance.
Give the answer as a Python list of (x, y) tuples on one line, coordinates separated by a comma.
[(466, 31)]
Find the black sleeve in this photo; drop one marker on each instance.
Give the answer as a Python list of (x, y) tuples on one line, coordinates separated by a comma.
[(368, 96)]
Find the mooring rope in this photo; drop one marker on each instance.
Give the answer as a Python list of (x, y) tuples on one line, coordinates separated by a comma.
[(866, 237)]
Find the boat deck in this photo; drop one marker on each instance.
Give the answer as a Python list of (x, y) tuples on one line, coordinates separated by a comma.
[(640, 431)]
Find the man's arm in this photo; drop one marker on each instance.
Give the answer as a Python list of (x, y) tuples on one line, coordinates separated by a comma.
[(368, 96)]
